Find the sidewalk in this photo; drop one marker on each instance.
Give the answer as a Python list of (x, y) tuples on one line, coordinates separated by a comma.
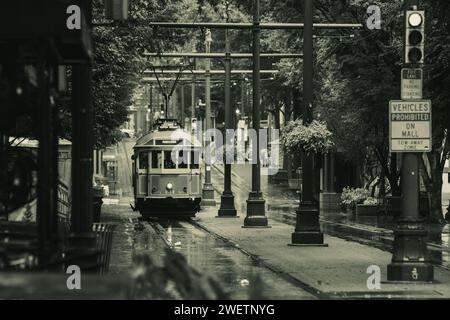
[(336, 271), (281, 206)]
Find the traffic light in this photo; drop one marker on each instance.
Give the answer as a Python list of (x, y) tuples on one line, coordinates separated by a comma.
[(415, 37)]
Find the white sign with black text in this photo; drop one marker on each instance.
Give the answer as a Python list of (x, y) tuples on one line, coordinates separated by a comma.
[(410, 126)]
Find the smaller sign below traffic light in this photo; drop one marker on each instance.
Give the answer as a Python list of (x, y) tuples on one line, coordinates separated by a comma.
[(415, 37)]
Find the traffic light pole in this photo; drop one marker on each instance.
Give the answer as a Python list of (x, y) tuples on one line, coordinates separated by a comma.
[(208, 190), (307, 228), (410, 260)]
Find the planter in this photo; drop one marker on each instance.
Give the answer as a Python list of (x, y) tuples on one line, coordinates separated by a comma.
[(368, 210)]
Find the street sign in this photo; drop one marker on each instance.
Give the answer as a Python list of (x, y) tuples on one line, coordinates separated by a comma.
[(410, 126), (412, 82)]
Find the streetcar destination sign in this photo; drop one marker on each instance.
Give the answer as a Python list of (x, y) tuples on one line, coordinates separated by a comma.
[(410, 126), (412, 81)]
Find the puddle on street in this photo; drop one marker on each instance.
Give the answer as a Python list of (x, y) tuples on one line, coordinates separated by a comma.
[(235, 270)]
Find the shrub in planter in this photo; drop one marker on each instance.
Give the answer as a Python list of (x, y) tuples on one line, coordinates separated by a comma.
[(351, 197)]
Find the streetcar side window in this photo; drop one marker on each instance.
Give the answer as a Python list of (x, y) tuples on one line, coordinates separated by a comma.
[(195, 160), (143, 160), (182, 159), (156, 160), (168, 163)]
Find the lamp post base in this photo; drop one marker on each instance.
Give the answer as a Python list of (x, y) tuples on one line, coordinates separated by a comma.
[(227, 209), (410, 272), (256, 208), (410, 254), (307, 227)]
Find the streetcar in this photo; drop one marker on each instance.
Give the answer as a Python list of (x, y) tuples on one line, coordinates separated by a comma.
[(166, 172)]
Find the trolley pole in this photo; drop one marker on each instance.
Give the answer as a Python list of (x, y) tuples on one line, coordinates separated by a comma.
[(307, 227), (208, 190), (227, 208), (256, 217)]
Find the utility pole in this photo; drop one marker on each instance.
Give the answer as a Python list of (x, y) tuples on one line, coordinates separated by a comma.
[(227, 208), (256, 217), (208, 190), (307, 227), (410, 261)]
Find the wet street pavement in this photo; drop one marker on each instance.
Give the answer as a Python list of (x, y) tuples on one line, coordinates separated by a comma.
[(236, 271)]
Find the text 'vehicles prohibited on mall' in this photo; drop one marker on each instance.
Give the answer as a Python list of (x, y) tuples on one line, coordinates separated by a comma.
[(410, 126)]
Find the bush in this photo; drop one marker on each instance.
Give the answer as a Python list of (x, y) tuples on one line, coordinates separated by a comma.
[(351, 197), (370, 201), (315, 137)]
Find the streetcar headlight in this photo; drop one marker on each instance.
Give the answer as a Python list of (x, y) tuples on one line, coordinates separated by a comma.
[(154, 189), (169, 186), (185, 189)]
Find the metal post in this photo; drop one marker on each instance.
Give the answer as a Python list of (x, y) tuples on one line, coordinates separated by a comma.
[(410, 261), (307, 227), (82, 236), (256, 217), (192, 99), (227, 208), (182, 104), (243, 96), (45, 187), (151, 109), (208, 190)]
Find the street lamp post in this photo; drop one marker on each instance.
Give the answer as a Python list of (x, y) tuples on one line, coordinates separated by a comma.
[(208, 190), (227, 208), (307, 227), (256, 217)]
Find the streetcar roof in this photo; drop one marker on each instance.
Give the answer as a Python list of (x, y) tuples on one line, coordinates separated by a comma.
[(167, 138)]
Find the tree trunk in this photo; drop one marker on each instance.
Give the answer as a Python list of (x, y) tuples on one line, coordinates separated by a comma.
[(435, 200)]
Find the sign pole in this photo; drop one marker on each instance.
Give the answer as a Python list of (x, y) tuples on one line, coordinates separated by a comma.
[(410, 257)]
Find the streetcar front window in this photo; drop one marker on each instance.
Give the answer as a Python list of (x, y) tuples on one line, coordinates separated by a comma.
[(143, 160), (195, 160), (168, 162), (156, 160), (182, 159)]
